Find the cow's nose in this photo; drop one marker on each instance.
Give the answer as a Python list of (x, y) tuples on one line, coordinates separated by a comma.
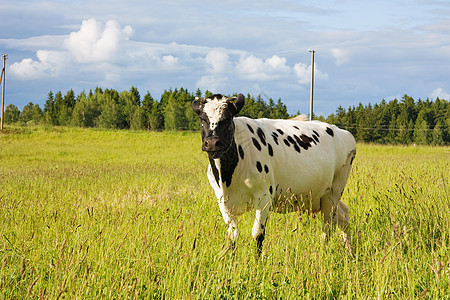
[(211, 144)]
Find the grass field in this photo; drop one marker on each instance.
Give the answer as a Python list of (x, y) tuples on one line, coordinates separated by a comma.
[(122, 214)]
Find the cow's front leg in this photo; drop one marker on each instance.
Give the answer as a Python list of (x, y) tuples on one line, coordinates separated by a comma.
[(262, 207), (232, 223)]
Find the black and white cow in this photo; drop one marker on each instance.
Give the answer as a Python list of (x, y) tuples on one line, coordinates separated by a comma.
[(279, 165)]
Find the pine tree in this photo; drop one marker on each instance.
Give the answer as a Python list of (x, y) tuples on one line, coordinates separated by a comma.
[(49, 110), (155, 118)]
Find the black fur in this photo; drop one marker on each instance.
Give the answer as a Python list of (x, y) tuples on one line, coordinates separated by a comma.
[(241, 152), (270, 149), (228, 162), (330, 131), (261, 135), (250, 128), (259, 166), (256, 143)]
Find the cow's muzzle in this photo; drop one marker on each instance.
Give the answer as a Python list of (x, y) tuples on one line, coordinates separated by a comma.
[(213, 146)]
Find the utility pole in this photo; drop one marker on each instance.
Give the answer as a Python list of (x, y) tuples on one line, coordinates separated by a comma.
[(2, 80), (312, 86)]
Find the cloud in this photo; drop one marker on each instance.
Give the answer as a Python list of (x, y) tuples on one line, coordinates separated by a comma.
[(440, 93), (48, 64), (218, 60), (95, 42), (213, 83), (303, 73), (255, 68), (340, 56), (169, 61)]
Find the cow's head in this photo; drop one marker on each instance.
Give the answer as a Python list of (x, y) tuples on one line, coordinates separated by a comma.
[(216, 115)]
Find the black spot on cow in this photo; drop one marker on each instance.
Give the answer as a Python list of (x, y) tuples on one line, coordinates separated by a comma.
[(291, 140), (330, 131), (315, 137), (241, 152), (261, 135), (270, 149), (296, 127), (306, 138), (351, 161), (297, 148), (266, 169), (280, 131), (250, 128), (256, 143), (214, 170), (286, 142), (259, 166), (316, 133), (228, 162), (270, 190), (275, 137), (302, 143)]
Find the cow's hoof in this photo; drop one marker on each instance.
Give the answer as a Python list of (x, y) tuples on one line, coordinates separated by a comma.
[(259, 244)]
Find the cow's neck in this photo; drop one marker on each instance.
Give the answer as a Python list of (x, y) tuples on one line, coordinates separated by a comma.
[(228, 162)]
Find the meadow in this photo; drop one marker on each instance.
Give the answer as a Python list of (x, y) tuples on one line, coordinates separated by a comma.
[(89, 213)]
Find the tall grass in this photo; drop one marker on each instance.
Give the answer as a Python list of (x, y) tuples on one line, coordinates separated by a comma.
[(120, 214)]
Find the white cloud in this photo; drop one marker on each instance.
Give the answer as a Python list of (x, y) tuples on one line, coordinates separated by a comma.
[(169, 61), (441, 93), (218, 60), (93, 43), (49, 64), (303, 73), (254, 68), (340, 56), (97, 43), (213, 83)]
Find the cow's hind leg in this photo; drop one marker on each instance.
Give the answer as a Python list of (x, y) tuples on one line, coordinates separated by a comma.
[(333, 210)]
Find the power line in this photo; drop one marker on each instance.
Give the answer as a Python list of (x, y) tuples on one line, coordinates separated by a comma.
[(353, 126)]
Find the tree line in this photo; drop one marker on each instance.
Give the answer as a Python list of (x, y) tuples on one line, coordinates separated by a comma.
[(126, 110), (395, 122)]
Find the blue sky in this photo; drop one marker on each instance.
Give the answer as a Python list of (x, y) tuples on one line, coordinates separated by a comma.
[(365, 50)]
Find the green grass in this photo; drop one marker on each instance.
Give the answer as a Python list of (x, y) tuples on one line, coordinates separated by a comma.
[(122, 214)]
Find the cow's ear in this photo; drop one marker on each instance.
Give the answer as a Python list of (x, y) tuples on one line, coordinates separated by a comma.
[(197, 105), (237, 103)]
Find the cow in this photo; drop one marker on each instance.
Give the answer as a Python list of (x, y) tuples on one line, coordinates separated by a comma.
[(278, 165)]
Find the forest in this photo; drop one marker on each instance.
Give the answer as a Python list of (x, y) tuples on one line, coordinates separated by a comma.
[(403, 121)]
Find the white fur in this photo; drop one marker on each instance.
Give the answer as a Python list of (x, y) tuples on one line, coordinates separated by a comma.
[(213, 109)]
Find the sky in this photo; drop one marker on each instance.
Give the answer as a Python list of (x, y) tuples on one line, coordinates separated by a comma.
[(365, 51)]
